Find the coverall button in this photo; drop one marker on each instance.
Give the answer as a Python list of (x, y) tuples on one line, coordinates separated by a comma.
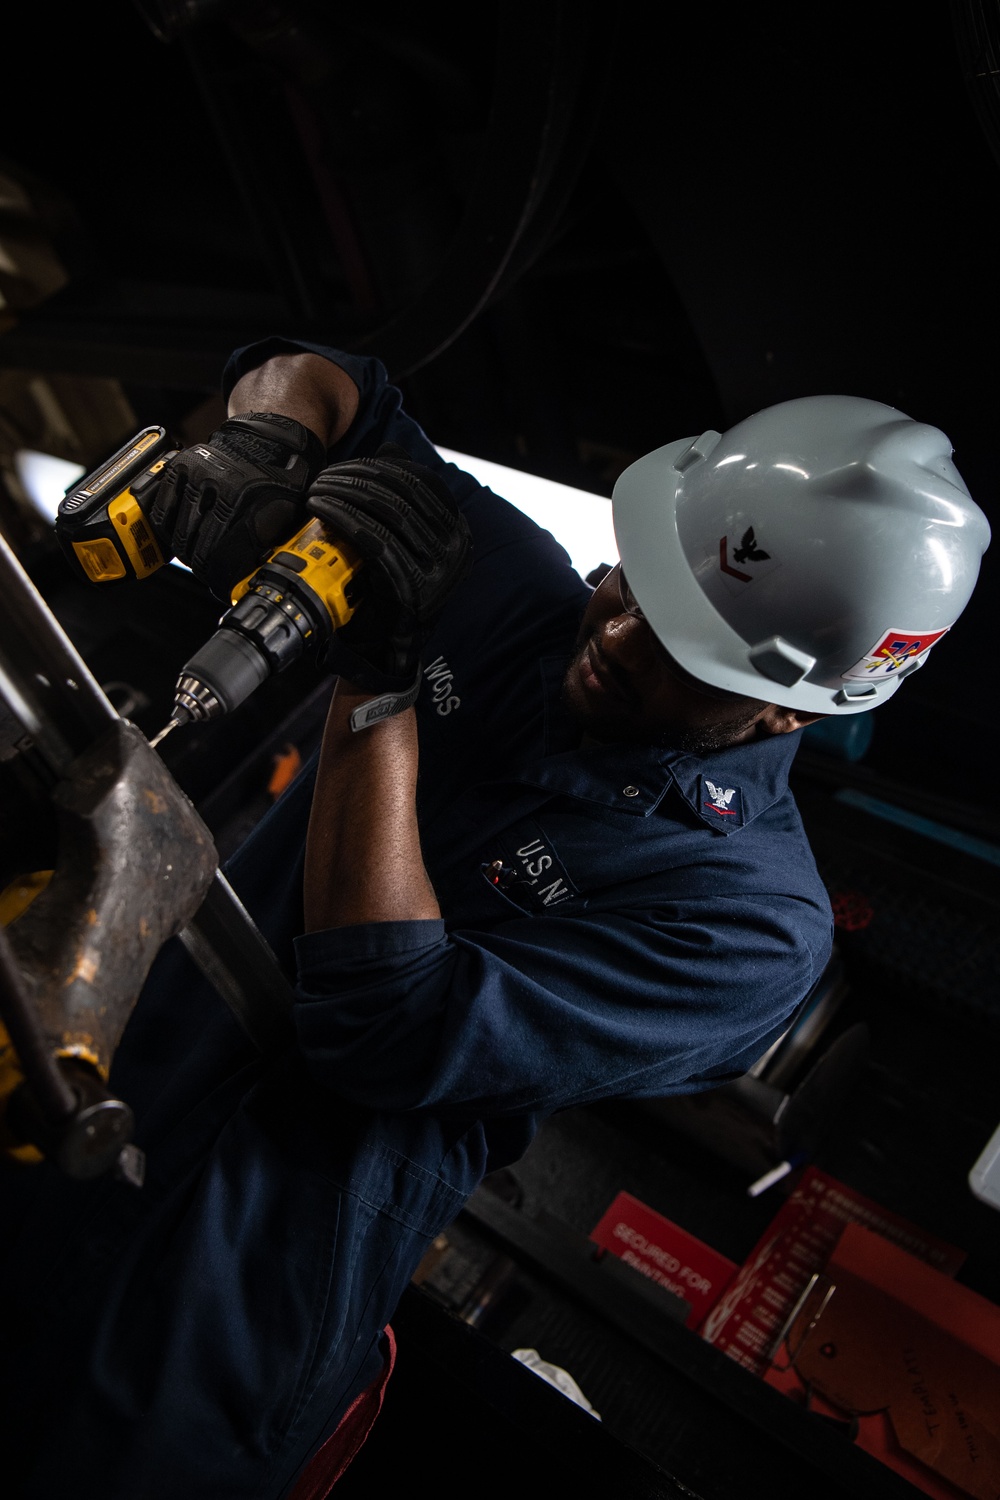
[(630, 791)]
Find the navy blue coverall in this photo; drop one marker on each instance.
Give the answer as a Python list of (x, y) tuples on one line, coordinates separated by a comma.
[(610, 927)]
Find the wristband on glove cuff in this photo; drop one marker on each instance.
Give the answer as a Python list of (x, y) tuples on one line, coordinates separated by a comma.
[(384, 707), (258, 436)]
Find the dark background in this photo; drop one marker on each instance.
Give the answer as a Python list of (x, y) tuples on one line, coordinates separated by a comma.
[(572, 235)]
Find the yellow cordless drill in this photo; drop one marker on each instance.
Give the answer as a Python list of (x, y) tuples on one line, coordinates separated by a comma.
[(291, 603)]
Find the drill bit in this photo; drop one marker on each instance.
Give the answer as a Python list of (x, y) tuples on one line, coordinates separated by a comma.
[(171, 724), (195, 700)]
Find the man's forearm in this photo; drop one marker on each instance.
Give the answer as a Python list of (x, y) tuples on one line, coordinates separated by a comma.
[(307, 387), (363, 859)]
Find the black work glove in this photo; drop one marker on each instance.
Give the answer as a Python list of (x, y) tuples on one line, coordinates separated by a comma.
[(402, 520), (221, 506)]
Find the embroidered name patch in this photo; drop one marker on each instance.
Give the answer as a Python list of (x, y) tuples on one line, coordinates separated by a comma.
[(526, 868), (441, 681)]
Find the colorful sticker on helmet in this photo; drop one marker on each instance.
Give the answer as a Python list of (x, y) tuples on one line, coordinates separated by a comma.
[(896, 649)]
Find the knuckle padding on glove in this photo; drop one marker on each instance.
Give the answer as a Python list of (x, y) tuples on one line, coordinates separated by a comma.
[(406, 526), (222, 503), (406, 559), (375, 543)]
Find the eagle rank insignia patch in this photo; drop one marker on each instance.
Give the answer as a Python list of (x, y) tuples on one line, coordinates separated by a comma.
[(724, 801)]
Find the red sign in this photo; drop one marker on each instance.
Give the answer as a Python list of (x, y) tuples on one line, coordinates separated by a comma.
[(747, 1321), (665, 1253)]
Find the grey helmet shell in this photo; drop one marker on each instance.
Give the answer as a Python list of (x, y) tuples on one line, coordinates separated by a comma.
[(811, 555)]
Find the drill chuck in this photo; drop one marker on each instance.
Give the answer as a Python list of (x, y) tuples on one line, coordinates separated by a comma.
[(264, 633), (219, 677)]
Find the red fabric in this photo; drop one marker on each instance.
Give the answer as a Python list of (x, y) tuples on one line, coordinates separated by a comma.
[(328, 1464)]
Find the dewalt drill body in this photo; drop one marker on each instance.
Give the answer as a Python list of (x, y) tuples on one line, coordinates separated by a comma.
[(290, 604)]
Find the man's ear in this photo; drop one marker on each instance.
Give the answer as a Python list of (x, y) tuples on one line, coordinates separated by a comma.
[(778, 720)]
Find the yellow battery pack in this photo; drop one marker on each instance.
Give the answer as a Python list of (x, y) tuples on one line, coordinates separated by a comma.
[(100, 523)]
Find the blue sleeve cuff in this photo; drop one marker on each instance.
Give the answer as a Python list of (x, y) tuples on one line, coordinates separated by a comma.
[(380, 417), (368, 944), (366, 372)]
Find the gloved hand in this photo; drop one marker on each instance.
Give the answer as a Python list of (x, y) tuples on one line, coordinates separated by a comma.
[(221, 506), (401, 519)]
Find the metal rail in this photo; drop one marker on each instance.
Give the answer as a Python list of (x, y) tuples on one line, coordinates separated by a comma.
[(65, 716)]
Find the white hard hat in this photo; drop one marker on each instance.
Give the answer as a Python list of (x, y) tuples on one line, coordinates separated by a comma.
[(810, 555)]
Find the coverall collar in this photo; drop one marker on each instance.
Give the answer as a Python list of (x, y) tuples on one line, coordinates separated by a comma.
[(726, 789)]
